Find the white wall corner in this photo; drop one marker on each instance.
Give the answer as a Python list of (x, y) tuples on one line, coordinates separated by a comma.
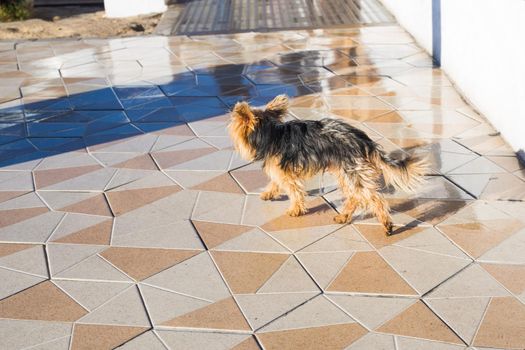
[(127, 8)]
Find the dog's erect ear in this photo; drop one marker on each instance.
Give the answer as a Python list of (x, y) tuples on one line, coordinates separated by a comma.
[(244, 112), (278, 104)]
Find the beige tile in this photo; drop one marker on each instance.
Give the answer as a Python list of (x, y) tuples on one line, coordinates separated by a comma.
[(247, 272), (511, 276), (471, 282), (88, 336), (141, 263), (371, 311), (45, 302), (423, 270), (126, 308), (221, 183), (419, 322), (125, 201), (223, 314), (290, 277), (367, 272), (260, 309), (503, 325), (330, 337), (201, 340), (463, 315), (214, 234), (314, 313)]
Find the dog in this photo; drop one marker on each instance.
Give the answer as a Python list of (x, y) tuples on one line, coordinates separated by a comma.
[(295, 150)]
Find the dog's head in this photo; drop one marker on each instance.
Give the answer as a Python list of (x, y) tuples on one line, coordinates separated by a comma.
[(245, 119)]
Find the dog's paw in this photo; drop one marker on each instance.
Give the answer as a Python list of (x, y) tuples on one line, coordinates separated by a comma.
[(296, 211), (342, 218), (389, 227), (267, 196)]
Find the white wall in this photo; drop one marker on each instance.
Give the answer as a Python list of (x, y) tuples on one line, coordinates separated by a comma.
[(416, 17), (126, 8), (482, 51)]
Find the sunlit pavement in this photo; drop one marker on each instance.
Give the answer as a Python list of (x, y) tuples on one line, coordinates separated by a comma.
[(126, 218)]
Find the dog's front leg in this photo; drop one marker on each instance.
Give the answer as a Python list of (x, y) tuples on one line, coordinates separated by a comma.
[(295, 190), (271, 191)]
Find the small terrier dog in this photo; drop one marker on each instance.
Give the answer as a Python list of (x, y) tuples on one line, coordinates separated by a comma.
[(295, 150)]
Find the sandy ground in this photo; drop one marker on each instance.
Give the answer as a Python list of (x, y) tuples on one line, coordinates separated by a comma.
[(76, 21)]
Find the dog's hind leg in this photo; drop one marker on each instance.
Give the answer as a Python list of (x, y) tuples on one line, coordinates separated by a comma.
[(348, 187), (369, 181)]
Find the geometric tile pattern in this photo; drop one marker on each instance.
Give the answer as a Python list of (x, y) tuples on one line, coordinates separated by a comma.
[(127, 219)]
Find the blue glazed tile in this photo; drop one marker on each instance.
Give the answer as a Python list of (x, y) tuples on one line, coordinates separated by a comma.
[(95, 100), (155, 115)]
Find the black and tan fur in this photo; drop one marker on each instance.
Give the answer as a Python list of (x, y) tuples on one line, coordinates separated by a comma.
[(295, 150)]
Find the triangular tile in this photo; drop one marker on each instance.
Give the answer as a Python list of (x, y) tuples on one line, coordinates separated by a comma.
[(201, 340), (13, 216), (11, 248), (260, 309), (421, 269), (473, 183), (168, 159), (14, 282), (221, 183), (95, 205), (223, 314), (430, 211), (125, 308), (347, 239), (93, 268), (91, 294), (164, 305), (471, 282), (247, 272), (508, 251), (374, 341), (63, 256), (58, 344), (297, 239), (99, 234), (7, 195), (32, 261), (89, 336), (290, 277), (141, 263), (432, 241), (367, 272), (146, 340), (190, 178), (463, 315), (254, 240), (214, 234), (248, 344), (371, 311), (124, 201), (419, 322), (323, 267), (44, 301), (511, 276), (48, 177), (325, 313), (326, 337), (196, 277), (503, 324), (21, 334), (142, 162), (405, 343)]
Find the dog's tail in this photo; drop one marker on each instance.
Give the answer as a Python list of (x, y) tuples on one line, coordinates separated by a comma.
[(405, 174)]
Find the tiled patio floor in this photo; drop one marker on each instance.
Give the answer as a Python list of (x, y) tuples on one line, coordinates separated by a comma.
[(127, 219)]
